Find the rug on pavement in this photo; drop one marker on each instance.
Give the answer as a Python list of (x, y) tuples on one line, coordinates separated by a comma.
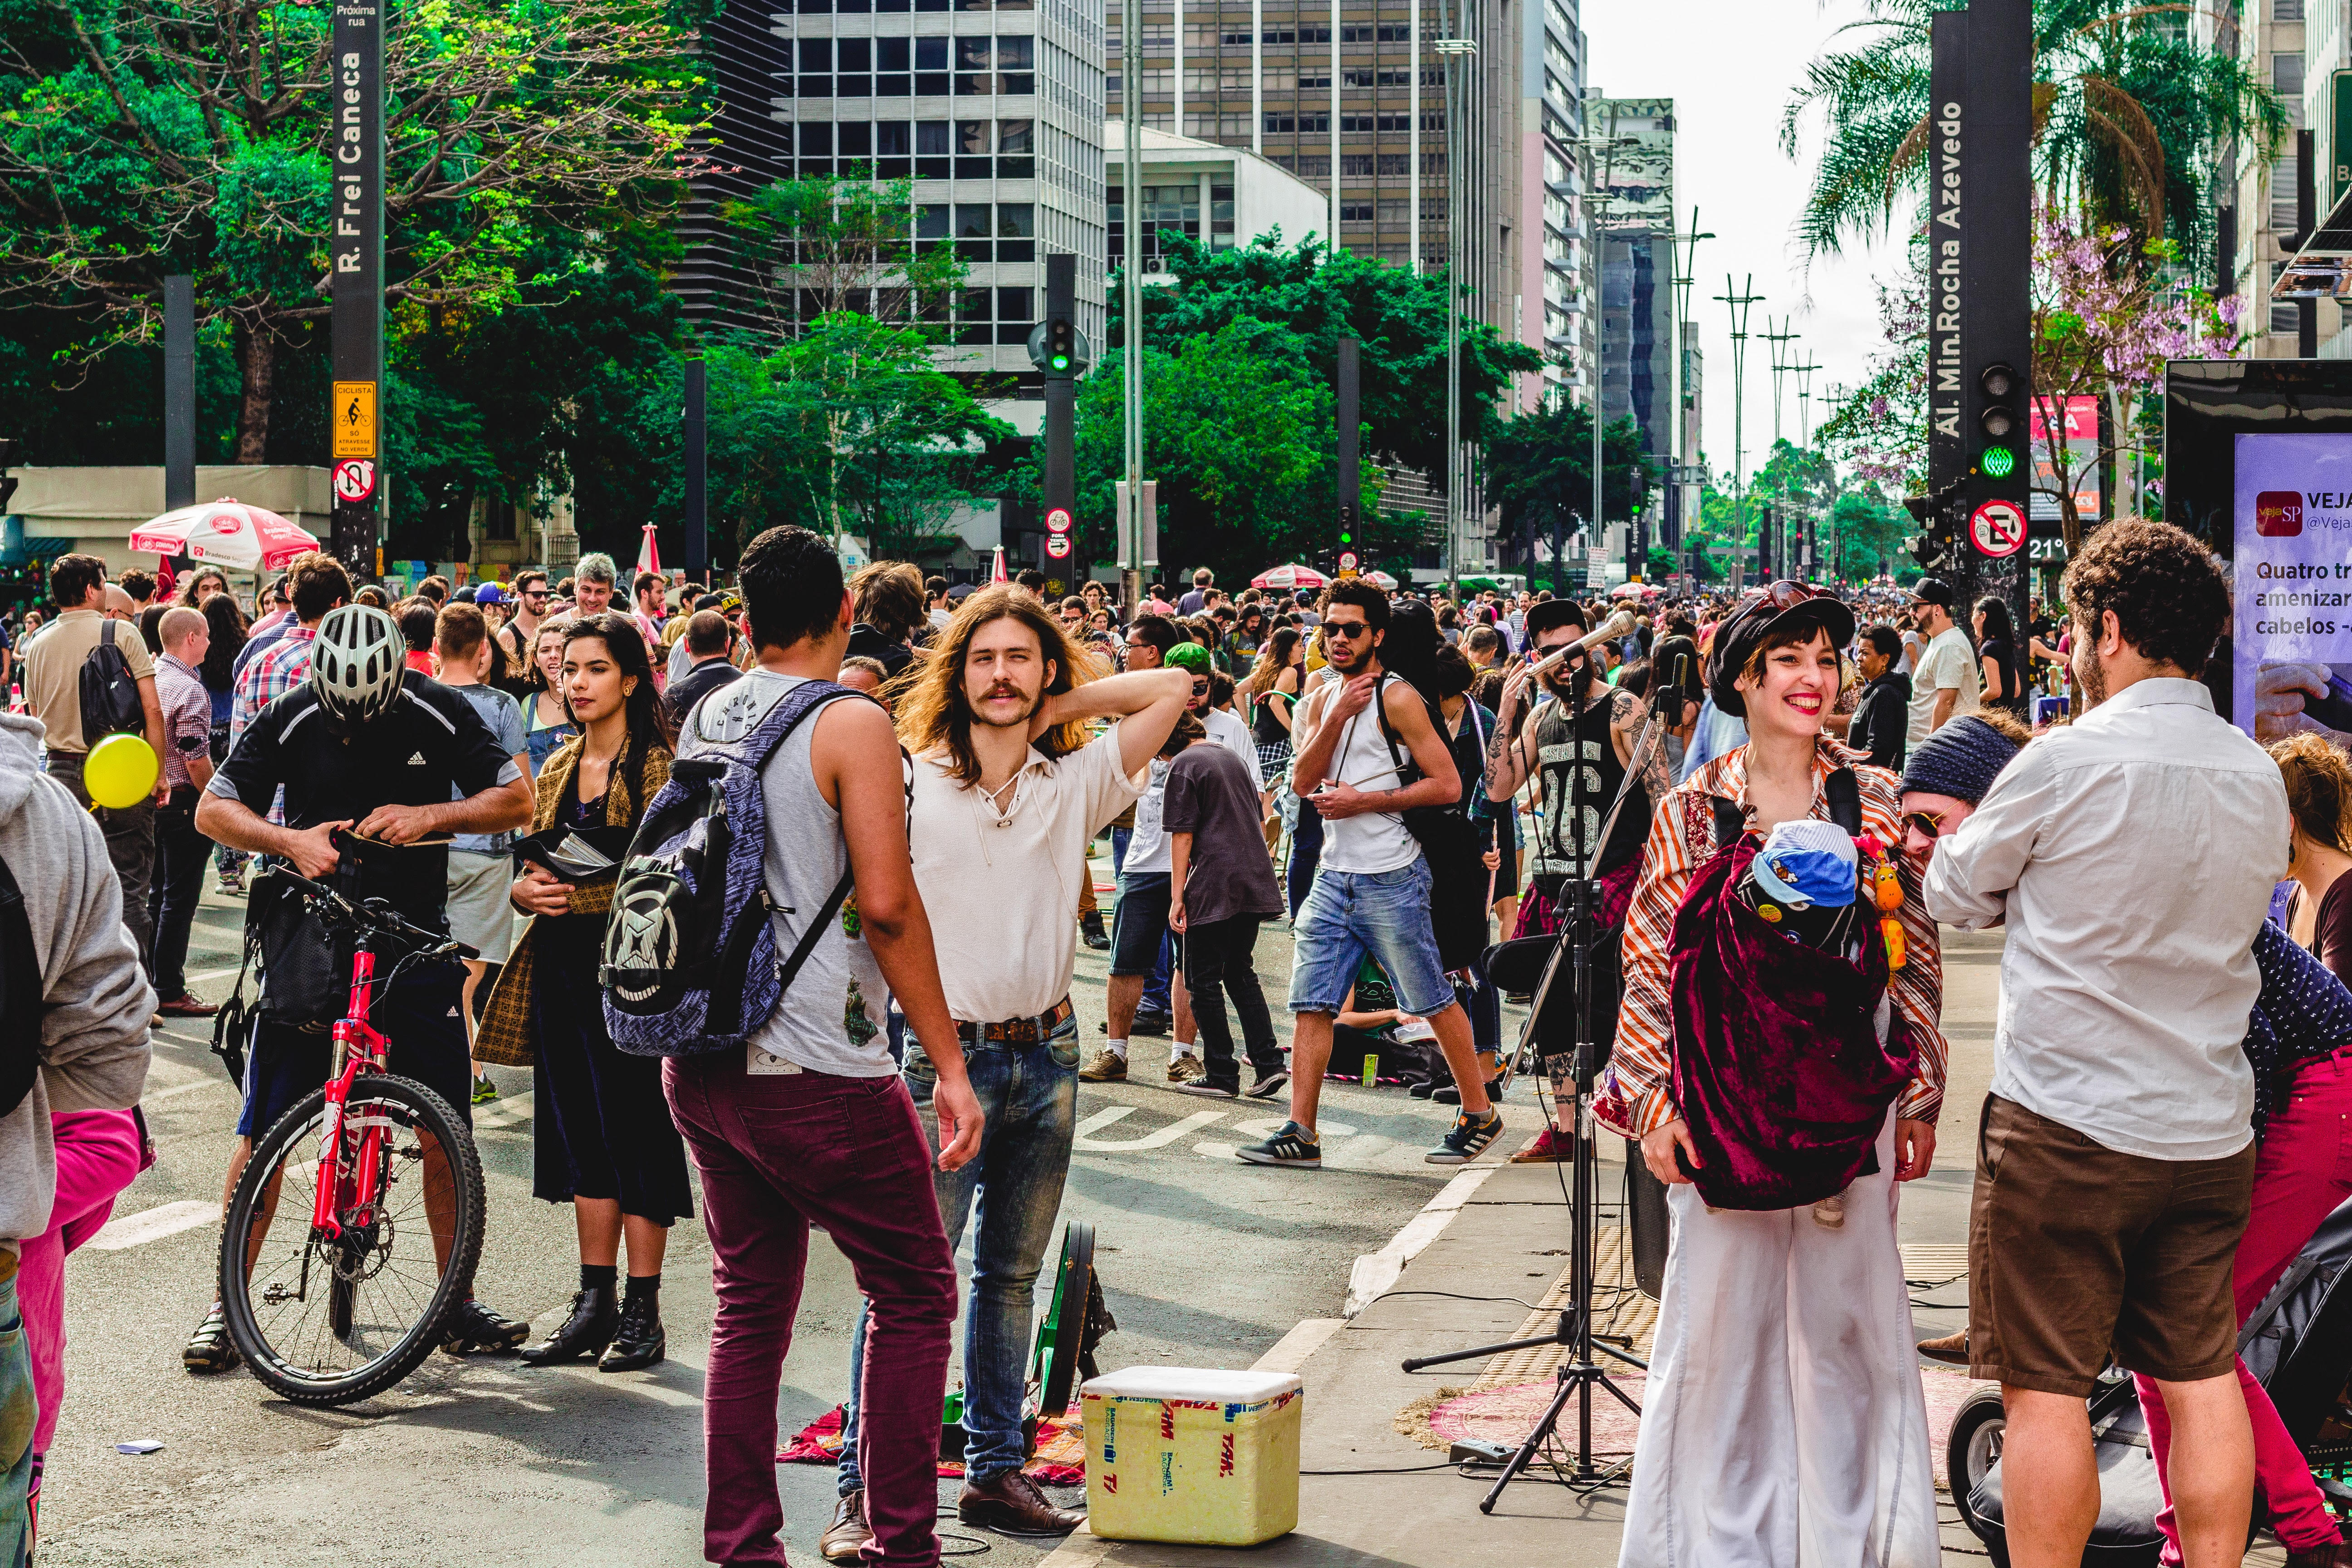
[(1506, 1415), (1060, 1459)]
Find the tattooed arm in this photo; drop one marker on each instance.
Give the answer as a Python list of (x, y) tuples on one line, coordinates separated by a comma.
[(1510, 750), (1626, 716)]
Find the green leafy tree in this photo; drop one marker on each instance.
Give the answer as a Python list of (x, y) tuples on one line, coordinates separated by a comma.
[(828, 244), (1321, 297), (1867, 532), (2129, 110), (1540, 474), (146, 137), (1238, 431)]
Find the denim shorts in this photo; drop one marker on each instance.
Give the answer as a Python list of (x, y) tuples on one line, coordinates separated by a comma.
[(1350, 914), (1139, 923)]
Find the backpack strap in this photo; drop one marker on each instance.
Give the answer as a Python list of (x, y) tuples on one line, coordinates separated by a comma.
[(1843, 791), (1729, 821), (20, 968)]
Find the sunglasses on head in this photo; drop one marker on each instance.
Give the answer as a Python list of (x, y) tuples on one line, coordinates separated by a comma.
[(1787, 596)]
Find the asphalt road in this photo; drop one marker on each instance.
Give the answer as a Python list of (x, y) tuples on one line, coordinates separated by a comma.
[(1206, 1262)]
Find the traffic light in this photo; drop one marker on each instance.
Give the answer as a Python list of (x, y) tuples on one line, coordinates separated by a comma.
[(1999, 419), (1346, 525), (1061, 346), (1939, 535)]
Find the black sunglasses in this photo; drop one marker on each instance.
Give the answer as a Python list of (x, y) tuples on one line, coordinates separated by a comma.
[(1348, 629)]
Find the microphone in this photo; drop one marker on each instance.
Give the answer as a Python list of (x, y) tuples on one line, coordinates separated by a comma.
[(1616, 626)]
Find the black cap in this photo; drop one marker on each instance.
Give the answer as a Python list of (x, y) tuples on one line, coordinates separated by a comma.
[(1551, 612), (1736, 640), (1932, 590)]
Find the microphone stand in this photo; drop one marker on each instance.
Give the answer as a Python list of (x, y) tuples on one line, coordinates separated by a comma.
[(1577, 940)]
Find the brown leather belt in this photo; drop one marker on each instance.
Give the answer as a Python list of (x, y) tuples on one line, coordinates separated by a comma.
[(1019, 1031)]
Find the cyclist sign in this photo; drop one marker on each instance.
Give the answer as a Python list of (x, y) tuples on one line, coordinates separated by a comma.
[(1998, 528)]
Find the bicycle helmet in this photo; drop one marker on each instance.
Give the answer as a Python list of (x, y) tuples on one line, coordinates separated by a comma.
[(357, 663)]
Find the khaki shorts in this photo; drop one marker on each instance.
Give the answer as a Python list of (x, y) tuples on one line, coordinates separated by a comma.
[(479, 915), (2077, 1251)]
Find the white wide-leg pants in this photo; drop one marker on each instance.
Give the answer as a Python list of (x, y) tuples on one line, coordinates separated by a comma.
[(1783, 1425)]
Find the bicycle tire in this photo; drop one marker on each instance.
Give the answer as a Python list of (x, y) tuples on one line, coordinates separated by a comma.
[(295, 1139)]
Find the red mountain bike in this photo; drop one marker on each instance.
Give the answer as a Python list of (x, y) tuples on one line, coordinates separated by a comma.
[(357, 1224)]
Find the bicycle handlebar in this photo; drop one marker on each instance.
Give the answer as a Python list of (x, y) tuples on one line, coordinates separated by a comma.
[(367, 916)]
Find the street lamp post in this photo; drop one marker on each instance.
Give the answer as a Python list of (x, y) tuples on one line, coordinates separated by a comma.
[(1685, 244), (1457, 55), (1738, 303), (1131, 530)]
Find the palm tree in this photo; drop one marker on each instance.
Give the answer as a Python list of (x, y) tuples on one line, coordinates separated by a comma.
[(2128, 112)]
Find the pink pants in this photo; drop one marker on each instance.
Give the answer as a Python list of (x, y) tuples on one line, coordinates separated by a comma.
[(2303, 1173), (98, 1156)]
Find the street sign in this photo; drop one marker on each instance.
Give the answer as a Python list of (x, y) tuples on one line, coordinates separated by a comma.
[(1058, 521), (1347, 561), (354, 419), (1998, 528), (1058, 545), (355, 481)]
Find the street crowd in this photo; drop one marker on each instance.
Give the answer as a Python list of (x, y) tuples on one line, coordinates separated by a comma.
[(1761, 806)]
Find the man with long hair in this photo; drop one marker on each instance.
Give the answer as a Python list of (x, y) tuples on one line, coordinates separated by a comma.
[(1007, 791)]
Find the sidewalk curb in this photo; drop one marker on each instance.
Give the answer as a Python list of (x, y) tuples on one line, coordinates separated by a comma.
[(1084, 1549)]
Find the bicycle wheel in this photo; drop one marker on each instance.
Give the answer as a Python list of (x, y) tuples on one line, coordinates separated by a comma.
[(327, 1321)]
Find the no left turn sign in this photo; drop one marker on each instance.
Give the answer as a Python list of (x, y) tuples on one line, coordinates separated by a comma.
[(1998, 528)]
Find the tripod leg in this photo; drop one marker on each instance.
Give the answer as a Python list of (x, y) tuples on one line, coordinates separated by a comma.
[(1536, 1440)]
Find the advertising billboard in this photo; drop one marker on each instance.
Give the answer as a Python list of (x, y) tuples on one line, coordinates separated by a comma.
[(2292, 573), (2084, 470)]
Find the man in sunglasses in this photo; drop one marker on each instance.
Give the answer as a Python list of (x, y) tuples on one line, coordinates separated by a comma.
[(529, 593), (1370, 895)]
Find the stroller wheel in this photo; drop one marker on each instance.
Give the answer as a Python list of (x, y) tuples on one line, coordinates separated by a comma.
[(1974, 1448)]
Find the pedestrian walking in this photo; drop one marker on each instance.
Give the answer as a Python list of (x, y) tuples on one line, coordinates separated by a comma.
[(1223, 888), (225, 632), (547, 722), (604, 1143), (94, 632), (1881, 727), (1945, 680), (2318, 781), (811, 1122), (2119, 1120), (180, 851), (481, 866)]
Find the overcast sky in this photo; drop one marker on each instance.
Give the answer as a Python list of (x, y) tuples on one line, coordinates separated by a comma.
[(1730, 66)]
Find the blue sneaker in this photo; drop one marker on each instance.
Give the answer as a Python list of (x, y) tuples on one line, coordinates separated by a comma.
[(1294, 1145), (1468, 1140)]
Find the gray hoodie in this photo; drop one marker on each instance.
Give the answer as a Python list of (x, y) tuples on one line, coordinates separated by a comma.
[(94, 1048)]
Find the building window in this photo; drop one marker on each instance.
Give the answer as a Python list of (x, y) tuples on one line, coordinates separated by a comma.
[(2286, 10), (892, 147), (931, 150), (2285, 319), (1356, 164), (1016, 158), (1016, 231), (1302, 125), (2287, 75), (1312, 80), (1016, 313), (1397, 163), (1355, 212), (856, 64)]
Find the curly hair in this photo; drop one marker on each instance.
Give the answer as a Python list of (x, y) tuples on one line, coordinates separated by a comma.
[(2168, 598), (933, 712), (2318, 788)]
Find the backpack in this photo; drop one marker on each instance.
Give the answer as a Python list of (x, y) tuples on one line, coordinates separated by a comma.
[(109, 696), (690, 963), (20, 995)]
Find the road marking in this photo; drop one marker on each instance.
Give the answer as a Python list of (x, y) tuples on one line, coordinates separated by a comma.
[(1083, 1139), (153, 1224), (162, 1095), (211, 974), (1375, 1272), (504, 1111)]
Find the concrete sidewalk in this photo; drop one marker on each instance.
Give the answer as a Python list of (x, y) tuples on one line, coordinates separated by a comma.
[(1503, 1230)]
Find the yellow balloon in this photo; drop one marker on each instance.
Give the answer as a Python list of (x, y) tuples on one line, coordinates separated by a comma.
[(121, 771)]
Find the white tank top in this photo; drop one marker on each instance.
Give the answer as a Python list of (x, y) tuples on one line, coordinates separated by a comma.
[(1374, 841)]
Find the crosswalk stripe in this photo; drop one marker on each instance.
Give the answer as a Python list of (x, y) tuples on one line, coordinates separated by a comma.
[(153, 1224)]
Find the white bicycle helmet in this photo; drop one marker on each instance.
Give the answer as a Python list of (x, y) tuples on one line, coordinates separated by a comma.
[(357, 663)]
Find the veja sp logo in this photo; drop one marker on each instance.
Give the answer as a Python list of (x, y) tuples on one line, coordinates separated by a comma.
[(2278, 514)]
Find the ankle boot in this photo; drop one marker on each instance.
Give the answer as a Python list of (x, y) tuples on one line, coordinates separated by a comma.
[(586, 1333), (639, 1340)]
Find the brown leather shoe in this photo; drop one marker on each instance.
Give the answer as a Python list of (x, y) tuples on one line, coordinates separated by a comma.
[(1011, 1502), (848, 1531), (1952, 1350)]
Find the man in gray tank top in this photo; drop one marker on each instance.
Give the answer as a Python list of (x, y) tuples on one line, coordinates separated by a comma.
[(810, 1123), (1370, 895)]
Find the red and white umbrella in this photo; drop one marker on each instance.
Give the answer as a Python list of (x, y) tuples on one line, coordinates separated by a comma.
[(224, 532), (1381, 581), (649, 552), (1290, 576), (996, 573)]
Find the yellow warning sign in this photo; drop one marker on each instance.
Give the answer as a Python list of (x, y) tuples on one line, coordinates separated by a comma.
[(353, 419)]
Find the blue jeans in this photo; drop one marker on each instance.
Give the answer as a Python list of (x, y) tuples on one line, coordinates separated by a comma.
[(18, 1410), (1350, 915), (1009, 1194), (1306, 854)]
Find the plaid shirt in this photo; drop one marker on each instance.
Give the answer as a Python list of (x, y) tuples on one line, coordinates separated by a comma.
[(1635, 1097), (187, 718), (274, 671)]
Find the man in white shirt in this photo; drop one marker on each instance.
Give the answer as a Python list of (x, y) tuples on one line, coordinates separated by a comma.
[(2132, 856), (1007, 791), (1945, 678)]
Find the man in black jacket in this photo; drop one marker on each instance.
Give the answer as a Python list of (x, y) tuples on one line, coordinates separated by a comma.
[(1882, 718)]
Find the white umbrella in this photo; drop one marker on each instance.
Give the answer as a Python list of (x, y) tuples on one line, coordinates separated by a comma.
[(224, 532), (1290, 576), (1381, 581)]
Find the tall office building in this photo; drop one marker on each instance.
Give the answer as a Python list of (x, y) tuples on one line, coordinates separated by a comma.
[(1549, 294), (1637, 267), (2267, 36), (994, 109)]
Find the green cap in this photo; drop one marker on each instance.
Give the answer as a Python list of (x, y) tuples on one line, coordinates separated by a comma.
[(1190, 655)]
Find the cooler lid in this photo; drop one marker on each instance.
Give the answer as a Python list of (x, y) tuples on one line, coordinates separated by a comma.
[(1209, 1386)]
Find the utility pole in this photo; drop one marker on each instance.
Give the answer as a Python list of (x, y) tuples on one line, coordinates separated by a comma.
[(355, 244), (1738, 303), (1131, 521), (1780, 353), (1458, 54), (1681, 502)]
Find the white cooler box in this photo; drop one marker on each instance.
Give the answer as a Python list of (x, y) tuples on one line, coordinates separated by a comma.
[(1194, 1456)]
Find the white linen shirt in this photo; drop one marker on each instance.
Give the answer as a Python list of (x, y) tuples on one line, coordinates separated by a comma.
[(1002, 901), (2133, 853)]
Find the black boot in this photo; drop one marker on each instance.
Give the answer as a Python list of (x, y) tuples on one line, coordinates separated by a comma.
[(594, 1315), (639, 1342), (1090, 928)]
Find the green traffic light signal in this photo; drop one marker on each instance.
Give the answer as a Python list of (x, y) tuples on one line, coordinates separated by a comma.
[(2000, 462)]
